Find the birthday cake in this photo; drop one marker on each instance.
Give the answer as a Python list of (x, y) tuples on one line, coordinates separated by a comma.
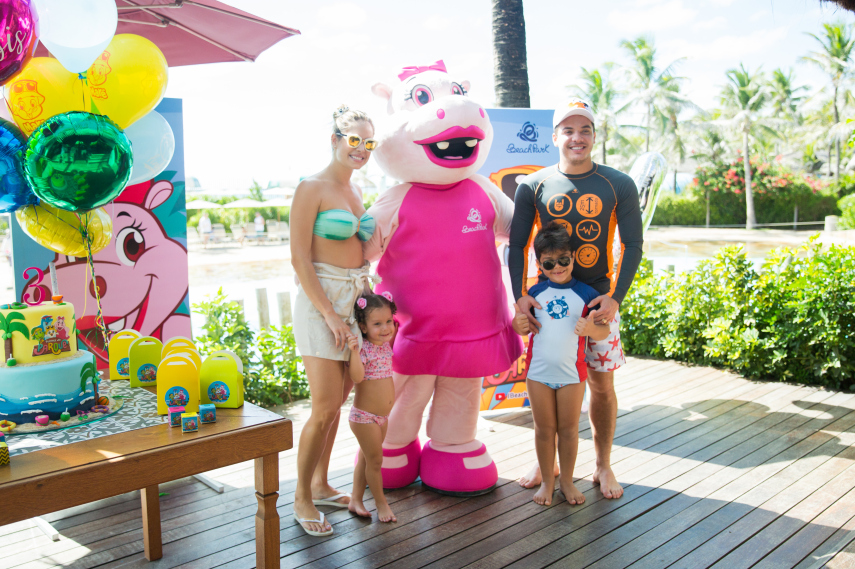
[(43, 372)]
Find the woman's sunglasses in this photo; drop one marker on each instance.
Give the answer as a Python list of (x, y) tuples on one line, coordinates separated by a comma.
[(354, 140), (549, 264)]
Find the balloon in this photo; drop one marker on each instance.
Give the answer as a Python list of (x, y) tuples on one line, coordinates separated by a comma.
[(153, 143), (14, 191), (76, 32), (43, 89), (128, 80), (78, 161), (59, 230), (16, 44)]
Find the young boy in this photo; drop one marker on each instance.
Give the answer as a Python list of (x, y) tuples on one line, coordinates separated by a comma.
[(555, 366)]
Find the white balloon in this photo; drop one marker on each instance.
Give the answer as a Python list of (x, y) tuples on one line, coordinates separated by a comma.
[(153, 145), (76, 31)]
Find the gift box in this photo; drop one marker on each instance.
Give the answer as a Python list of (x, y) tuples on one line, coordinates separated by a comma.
[(208, 413), (189, 422), (174, 414)]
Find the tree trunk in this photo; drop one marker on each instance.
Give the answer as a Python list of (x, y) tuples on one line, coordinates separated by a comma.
[(647, 134), (829, 160), (510, 70), (8, 347), (837, 143), (605, 139), (708, 208), (750, 220)]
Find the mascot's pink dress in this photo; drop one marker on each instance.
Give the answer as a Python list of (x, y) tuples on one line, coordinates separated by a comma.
[(436, 240)]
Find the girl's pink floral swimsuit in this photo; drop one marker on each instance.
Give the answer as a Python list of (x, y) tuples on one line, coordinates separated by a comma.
[(378, 365)]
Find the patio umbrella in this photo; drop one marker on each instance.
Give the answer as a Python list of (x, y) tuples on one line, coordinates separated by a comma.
[(244, 203), (203, 204), (197, 31), (277, 202)]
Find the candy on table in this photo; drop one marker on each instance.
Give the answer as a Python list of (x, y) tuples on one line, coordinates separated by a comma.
[(189, 422), (208, 413), (4, 454), (174, 414), (42, 420)]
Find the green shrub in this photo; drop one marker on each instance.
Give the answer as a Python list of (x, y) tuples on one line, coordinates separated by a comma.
[(847, 212), (776, 194), (273, 373), (794, 320)]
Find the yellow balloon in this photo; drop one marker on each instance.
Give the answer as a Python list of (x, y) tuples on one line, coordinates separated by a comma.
[(43, 89), (128, 79), (59, 230)]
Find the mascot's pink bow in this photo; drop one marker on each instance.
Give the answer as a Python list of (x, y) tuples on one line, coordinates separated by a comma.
[(415, 69)]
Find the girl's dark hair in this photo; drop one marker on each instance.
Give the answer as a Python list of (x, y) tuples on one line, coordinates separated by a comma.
[(372, 302), (553, 237)]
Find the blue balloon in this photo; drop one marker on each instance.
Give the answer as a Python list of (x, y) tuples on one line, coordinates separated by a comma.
[(14, 190)]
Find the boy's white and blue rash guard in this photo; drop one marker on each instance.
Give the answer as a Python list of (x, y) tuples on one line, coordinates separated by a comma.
[(556, 354)]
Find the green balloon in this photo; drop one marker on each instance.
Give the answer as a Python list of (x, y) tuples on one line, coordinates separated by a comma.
[(78, 161)]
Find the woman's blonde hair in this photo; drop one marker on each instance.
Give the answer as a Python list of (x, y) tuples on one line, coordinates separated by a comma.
[(344, 118)]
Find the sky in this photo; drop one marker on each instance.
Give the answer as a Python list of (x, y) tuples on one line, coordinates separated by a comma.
[(271, 120)]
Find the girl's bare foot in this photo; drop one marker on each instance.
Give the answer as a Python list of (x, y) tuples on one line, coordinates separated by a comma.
[(384, 513), (571, 493), (533, 478), (544, 495), (358, 508), (609, 486)]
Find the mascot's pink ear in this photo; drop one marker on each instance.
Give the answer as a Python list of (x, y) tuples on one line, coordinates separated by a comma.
[(384, 92), (157, 194), (465, 84)]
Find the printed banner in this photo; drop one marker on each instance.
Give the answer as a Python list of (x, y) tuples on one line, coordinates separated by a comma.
[(522, 144), (142, 275)]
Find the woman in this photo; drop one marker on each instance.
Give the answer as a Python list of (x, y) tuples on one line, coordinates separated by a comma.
[(328, 225)]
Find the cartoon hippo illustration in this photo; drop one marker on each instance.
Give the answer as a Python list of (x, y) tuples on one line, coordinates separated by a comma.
[(133, 274), (436, 238)]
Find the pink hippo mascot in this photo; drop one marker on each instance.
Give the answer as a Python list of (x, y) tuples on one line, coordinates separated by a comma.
[(436, 240), (135, 274)]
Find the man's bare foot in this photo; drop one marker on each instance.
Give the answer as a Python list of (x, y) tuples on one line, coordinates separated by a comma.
[(358, 508), (609, 486), (384, 513), (571, 493), (533, 478), (544, 495), (310, 512)]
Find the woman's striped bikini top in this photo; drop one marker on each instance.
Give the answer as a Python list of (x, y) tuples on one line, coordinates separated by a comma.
[(340, 224)]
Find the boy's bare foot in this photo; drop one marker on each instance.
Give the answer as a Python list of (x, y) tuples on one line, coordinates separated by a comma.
[(384, 513), (544, 494), (571, 493), (358, 508), (533, 478), (609, 486)]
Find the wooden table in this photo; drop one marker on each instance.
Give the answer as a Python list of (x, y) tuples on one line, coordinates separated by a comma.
[(61, 477)]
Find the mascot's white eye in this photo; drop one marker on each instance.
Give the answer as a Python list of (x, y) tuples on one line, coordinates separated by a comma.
[(457, 89), (130, 245), (421, 95)]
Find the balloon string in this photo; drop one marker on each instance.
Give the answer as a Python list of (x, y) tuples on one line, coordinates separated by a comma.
[(87, 238)]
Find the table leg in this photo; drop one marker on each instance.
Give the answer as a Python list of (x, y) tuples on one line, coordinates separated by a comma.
[(267, 518), (151, 522)]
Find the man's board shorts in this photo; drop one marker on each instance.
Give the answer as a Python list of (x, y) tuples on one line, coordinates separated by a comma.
[(342, 287), (606, 355)]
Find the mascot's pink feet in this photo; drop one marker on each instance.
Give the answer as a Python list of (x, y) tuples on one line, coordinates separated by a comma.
[(401, 465), (467, 473)]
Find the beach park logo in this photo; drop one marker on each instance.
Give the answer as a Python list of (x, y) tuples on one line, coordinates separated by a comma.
[(98, 75), (474, 217), (50, 338), (528, 132), (557, 308), (26, 102)]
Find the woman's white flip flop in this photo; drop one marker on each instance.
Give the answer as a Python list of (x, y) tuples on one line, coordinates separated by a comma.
[(302, 521), (333, 501)]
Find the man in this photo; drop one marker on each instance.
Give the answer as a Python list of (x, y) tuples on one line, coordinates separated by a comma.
[(590, 201)]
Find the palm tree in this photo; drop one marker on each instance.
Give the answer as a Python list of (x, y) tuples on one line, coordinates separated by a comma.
[(8, 326), (655, 87), (744, 97), (510, 69), (87, 373), (599, 91), (784, 96), (835, 60)]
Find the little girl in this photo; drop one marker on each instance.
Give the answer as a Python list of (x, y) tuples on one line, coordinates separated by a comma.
[(371, 371)]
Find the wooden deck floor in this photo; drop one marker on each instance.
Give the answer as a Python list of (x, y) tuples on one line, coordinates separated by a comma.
[(718, 471)]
